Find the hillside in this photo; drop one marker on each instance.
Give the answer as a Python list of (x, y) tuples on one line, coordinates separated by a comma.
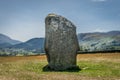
[(35, 44), (88, 42), (99, 41), (6, 41)]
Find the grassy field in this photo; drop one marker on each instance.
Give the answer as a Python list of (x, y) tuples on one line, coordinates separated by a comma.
[(101, 66)]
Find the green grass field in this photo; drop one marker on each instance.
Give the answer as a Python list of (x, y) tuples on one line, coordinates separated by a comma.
[(104, 66)]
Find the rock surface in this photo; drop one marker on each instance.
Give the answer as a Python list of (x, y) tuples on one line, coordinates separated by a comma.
[(61, 44)]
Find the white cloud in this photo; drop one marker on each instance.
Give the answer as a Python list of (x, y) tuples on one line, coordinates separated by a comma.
[(99, 30), (99, 0)]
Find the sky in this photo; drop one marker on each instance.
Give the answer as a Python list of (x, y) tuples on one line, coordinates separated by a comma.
[(24, 19)]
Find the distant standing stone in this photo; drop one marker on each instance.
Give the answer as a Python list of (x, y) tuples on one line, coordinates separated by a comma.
[(61, 44)]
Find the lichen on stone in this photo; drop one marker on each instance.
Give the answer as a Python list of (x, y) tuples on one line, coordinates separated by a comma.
[(61, 43)]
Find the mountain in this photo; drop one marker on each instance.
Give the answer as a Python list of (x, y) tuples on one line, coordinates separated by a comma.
[(7, 41), (99, 41), (35, 44), (88, 42)]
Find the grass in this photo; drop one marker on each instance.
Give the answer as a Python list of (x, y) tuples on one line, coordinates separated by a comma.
[(104, 66)]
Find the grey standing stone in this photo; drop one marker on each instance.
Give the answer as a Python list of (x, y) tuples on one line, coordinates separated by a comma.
[(61, 44)]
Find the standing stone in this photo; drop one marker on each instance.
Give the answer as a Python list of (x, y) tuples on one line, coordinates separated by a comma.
[(61, 44)]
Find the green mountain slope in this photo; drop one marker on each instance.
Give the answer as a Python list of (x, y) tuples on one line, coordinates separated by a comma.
[(99, 41)]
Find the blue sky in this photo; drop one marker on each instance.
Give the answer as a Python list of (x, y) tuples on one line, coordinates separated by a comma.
[(24, 19)]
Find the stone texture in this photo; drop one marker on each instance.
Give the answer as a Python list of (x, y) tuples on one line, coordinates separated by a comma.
[(61, 44)]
